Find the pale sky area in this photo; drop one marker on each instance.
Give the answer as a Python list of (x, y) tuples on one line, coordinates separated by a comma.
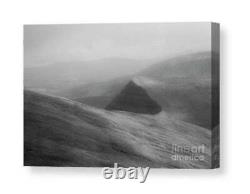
[(48, 44)]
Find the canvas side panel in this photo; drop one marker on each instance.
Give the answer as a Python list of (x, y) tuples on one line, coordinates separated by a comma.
[(215, 65)]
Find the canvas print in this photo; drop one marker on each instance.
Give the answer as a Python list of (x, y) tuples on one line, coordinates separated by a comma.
[(136, 94)]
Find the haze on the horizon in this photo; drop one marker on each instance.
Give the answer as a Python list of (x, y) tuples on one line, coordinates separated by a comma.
[(48, 44)]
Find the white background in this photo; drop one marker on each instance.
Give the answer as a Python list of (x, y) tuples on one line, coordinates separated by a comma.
[(235, 99)]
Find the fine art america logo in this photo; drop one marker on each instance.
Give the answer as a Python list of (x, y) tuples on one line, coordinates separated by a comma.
[(179, 153), (188, 153)]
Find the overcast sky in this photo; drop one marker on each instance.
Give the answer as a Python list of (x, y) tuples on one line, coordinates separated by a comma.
[(47, 44)]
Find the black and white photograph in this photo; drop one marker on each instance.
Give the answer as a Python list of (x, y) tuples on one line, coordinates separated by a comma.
[(136, 94), (124, 97)]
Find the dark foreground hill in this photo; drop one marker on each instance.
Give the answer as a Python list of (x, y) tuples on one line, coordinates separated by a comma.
[(134, 98), (61, 132)]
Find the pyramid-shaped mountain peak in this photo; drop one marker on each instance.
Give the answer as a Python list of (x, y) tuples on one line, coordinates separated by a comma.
[(134, 98)]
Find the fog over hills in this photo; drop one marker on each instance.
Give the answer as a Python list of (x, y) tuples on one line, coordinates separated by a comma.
[(58, 77), (61, 132), (181, 85)]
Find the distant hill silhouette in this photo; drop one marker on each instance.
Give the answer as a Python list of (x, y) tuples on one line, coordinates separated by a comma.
[(134, 98)]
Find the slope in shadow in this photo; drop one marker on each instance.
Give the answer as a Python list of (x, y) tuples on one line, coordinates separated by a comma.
[(61, 132), (134, 98)]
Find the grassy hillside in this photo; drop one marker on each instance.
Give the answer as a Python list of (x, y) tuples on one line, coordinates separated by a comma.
[(61, 132)]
